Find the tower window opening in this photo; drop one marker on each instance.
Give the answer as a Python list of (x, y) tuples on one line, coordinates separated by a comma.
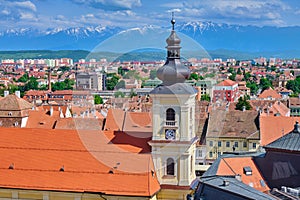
[(170, 114), (170, 167)]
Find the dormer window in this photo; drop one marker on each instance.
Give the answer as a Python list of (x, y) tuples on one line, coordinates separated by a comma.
[(10, 114)]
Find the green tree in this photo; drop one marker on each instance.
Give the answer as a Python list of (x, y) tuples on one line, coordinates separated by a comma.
[(294, 85), (239, 71), (119, 94), (153, 74), (194, 76), (232, 77), (253, 87), (98, 100), (32, 84), (132, 93), (243, 103), (121, 71), (24, 78), (205, 97), (112, 82), (247, 76), (265, 83)]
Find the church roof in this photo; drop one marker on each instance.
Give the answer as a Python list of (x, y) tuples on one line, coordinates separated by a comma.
[(12, 102), (290, 141), (177, 88), (74, 161)]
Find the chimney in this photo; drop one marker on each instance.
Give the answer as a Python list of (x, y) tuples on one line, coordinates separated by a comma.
[(49, 80), (6, 92), (51, 110), (18, 94), (225, 183)]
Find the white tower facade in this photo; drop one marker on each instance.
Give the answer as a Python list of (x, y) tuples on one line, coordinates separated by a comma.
[(174, 140)]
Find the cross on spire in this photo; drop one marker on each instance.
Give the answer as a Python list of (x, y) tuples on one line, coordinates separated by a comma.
[(173, 21)]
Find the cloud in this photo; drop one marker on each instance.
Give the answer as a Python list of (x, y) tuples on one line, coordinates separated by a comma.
[(17, 10), (112, 5), (231, 11)]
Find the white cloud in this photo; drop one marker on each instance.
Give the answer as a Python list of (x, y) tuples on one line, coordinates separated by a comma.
[(17, 10), (111, 4)]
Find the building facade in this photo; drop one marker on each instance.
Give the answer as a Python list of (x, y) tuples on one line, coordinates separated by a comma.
[(226, 91)]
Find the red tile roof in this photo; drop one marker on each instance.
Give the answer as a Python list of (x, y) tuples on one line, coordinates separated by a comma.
[(269, 93), (234, 166), (227, 82), (274, 127), (12, 102), (86, 156)]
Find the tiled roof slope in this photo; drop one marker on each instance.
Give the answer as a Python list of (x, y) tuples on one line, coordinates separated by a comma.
[(290, 141), (269, 93), (12, 102), (274, 127), (37, 155), (233, 165), (227, 82), (233, 124)]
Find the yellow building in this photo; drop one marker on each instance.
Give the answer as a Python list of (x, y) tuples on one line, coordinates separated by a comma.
[(230, 131)]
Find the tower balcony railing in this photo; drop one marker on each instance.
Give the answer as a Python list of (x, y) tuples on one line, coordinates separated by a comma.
[(170, 123)]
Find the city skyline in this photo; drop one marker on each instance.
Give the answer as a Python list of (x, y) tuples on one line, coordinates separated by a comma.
[(46, 14)]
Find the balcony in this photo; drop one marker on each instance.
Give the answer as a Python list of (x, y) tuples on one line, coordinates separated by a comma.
[(170, 123)]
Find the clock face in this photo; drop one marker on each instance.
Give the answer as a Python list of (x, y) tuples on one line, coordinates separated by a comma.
[(170, 134)]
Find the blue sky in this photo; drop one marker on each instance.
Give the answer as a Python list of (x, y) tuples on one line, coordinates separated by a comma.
[(44, 14)]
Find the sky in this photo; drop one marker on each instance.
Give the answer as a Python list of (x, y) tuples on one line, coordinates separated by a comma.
[(48, 14)]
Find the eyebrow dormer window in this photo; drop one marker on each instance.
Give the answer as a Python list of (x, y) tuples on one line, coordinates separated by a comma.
[(9, 114)]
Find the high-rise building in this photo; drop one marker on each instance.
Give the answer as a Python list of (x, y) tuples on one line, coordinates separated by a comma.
[(90, 81)]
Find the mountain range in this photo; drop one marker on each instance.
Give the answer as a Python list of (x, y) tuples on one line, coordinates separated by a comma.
[(220, 40)]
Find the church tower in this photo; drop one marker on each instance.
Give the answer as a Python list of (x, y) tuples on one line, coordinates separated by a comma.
[(173, 110)]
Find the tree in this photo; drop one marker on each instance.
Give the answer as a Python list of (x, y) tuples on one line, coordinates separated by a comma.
[(194, 76), (24, 78), (205, 97), (243, 103), (132, 93), (232, 77), (265, 83), (247, 76), (253, 87), (153, 74), (294, 85), (121, 71), (119, 94), (112, 82), (98, 100), (32, 84), (239, 71)]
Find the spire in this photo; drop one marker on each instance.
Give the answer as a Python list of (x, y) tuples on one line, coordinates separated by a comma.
[(173, 21), (173, 71)]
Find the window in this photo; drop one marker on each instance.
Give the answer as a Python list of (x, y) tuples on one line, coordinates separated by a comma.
[(170, 114), (227, 144), (244, 144), (219, 143), (254, 145), (211, 143), (199, 153), (170, 166), (236, 144), (210, 154)]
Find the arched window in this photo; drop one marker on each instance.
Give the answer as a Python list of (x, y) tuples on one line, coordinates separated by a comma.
[(170, 167), (170, 114)]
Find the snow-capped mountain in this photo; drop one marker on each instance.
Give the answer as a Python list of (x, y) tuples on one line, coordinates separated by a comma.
[(210, 35)]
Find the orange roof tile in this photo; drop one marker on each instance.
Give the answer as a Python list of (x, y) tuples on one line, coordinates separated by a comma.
[(227, 82), (274, 127), (269, 93), (86, 156), (234, 166), (42, 119)]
